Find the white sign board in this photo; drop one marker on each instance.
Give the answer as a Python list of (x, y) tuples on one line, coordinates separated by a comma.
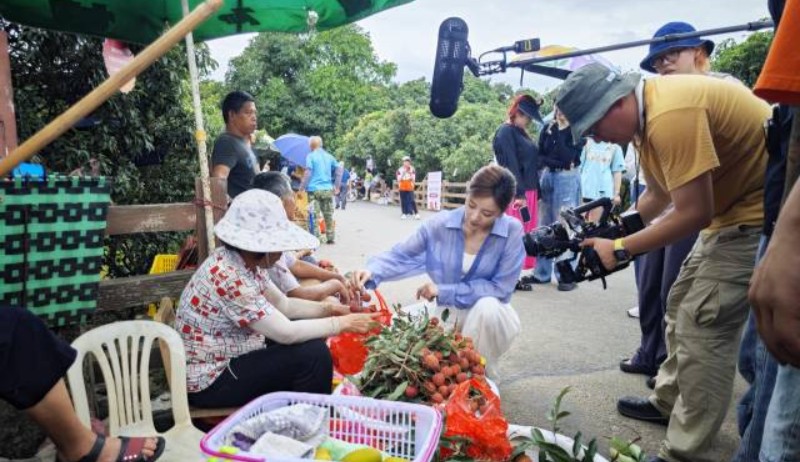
[(434, 190)]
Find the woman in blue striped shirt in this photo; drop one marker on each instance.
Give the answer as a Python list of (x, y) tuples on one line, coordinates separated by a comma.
[(473, 256)]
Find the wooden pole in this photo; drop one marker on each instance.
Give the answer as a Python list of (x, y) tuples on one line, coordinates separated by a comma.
[(200, 136), (8, 123), (108, 88)]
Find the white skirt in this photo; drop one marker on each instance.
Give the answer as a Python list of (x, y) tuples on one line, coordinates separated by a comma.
[(492, 325)]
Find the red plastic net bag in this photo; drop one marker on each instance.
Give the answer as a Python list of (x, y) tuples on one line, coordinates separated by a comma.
[(473, 413), (349, 351)]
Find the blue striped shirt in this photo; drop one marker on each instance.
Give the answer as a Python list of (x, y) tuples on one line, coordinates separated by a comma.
[(437, 248)]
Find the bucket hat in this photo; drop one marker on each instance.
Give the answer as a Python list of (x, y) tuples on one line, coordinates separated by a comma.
[(588, 93), (256, 221), (672, 28)]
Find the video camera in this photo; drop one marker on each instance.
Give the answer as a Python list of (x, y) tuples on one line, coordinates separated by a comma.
[(553, 240)]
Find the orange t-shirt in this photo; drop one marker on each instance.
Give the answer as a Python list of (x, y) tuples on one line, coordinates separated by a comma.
[(779, 81), (405, 179)]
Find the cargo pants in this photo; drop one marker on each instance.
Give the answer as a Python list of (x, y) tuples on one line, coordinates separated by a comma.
[(706, 310)]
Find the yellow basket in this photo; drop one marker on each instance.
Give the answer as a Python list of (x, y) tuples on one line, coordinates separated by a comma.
[(162, 263)]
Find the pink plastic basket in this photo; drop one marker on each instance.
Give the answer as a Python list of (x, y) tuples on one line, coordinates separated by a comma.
[(405, 430)]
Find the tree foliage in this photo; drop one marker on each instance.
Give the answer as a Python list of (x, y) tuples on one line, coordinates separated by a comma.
[(144, 139), (458, 146), (317, 84), (743, 60)]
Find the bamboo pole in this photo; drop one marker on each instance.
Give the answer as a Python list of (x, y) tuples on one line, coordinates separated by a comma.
[(200, 136), (108, 88)]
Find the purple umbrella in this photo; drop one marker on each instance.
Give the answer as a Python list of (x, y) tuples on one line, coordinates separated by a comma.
[(293, 147)]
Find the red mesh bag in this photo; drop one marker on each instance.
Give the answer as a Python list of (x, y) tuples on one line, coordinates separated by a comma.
[(486, 428), (348, 351)]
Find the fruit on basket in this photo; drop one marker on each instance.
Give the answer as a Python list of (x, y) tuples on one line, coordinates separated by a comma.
[(417, 360)]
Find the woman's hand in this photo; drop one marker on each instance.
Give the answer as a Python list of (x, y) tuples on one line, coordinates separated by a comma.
[(359, 277), (617, 200), (336, 309), (428, 291), (359, 323), (520, 202), (339, 288)]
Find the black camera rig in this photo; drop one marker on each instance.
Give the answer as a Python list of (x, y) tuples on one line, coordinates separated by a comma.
[(554, 240)]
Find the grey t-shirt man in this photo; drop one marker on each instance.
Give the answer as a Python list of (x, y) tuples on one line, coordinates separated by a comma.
[(236, 154)]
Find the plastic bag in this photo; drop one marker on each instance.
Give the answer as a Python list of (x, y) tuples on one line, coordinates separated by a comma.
[(348, 353), (482, 424)]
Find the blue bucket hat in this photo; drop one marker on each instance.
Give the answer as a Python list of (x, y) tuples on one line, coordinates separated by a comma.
[(672, 28)]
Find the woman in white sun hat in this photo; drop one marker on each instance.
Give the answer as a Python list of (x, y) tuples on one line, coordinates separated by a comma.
[(243, 337)]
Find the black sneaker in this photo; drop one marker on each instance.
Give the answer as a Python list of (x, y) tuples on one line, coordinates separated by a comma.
[(567, 286), (531, 279), (651, 383)]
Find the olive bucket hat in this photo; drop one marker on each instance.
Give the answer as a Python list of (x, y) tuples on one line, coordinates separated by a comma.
[(588, 93)]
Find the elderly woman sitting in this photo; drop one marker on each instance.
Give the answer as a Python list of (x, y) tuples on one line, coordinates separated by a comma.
[(243, 337)]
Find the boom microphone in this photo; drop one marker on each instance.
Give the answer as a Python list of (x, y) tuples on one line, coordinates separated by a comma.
[(452, 54)]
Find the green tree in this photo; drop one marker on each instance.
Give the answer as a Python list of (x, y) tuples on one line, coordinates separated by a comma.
[(317, 84), (212, 93), (143, 140), (743, 60), (458, 145)]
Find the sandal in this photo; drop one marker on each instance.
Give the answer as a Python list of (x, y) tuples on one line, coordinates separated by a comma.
[(523, 286), (130, 450)]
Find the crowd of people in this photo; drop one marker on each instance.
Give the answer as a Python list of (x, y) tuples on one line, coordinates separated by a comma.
[(721, 204)]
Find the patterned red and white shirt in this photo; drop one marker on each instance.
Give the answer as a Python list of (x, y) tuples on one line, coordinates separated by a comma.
[(216, 308)]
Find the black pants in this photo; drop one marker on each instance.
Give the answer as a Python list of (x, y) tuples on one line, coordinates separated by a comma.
[(407, 204), (32, 359), (656, 271), (304, 367)]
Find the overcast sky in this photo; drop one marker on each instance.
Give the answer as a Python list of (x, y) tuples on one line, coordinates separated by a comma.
[(406, 35)]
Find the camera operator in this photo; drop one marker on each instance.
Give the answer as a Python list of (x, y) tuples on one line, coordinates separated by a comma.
[(702, 149)]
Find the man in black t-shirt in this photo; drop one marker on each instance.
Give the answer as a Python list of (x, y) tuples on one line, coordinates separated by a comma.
[(233, 157)]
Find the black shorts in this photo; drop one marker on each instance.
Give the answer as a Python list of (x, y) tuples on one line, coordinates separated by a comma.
[(32, 359)]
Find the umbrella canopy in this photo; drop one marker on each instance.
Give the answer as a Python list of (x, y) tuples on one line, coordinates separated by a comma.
[(561, 67), (293, 147), (142, 21)]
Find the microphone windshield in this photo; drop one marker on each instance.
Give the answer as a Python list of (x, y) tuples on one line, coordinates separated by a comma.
[(452, 52)]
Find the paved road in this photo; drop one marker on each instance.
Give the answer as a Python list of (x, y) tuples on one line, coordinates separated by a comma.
[(575, 338)]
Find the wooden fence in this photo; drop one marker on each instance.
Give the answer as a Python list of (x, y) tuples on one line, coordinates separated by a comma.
[(129, 292), (453, 194)]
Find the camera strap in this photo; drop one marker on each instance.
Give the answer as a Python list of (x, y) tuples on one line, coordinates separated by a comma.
[(637, 145)]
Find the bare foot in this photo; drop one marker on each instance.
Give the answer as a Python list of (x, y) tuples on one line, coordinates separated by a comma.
[(110, 451)]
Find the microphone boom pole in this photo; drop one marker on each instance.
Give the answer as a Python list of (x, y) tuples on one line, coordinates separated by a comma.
[(528, 64)]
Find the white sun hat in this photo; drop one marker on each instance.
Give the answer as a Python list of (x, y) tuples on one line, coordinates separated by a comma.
[(256, 221)]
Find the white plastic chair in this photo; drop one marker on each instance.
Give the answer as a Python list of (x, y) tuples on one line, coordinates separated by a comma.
[(166, 315), (122, 350)]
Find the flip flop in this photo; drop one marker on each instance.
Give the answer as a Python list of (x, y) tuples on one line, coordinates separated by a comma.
[(523, 286), (130, 449)]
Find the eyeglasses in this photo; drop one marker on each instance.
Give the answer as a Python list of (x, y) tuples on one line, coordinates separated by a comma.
[(670, 56)]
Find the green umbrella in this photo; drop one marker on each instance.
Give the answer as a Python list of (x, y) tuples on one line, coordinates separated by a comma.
[(142, 21)]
